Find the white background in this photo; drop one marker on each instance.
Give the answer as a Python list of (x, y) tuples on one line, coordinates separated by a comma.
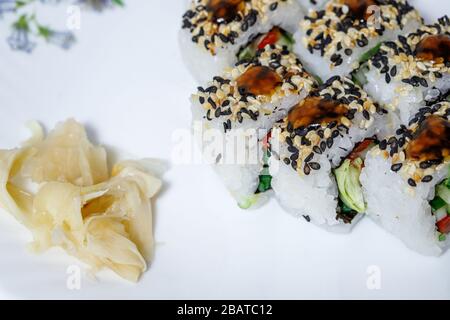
[(125, 81)]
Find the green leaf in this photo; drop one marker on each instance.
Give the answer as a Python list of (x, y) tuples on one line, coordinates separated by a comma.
[(22, 23), (44, 32), (442, 237), (119, 2), (23, 3)]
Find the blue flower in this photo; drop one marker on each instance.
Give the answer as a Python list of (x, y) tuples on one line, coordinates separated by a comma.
[(64, 40), (7, 6), (19, 40)]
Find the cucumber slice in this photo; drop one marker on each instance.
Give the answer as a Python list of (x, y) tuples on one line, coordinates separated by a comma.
[(443, 192), (441, 213), (369, 54), (247, 53), (265, 183), (359, 76), (437, 203)]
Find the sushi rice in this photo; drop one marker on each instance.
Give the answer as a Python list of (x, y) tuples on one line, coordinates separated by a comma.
[(308, 5), (250, 97), (214, 31), (400, 177), (335, 40)]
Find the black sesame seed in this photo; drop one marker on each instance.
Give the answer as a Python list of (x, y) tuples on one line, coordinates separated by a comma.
[(330, 142), (412, 183), (212, 103), (383, 144), (306, 169), (309, 157), (305, 141), (302, 131), (348, 52), (273, 6), (396, 167), (314, 165), (423, 82), (323, 146), (387, 78), (320, 133), (287, 161), (425, 164), (317, 150), (366, 114), (335, 134), (292, 149), (394, 71), (289, 141), (427, 179)]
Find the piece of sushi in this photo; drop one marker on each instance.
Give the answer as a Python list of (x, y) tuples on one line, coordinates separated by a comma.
[(409, 72), (334, 41), (406, 181), (318, 153), (214, 31), (243, 104)]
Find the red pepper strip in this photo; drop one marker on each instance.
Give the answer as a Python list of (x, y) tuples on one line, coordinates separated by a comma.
[(266, 141), (270, 38), (443, 225), (359, 149)]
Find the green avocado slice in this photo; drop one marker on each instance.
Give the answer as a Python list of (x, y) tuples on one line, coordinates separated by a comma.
[(350, 190)]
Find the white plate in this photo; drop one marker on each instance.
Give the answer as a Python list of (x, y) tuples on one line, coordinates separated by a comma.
[(125, 81)]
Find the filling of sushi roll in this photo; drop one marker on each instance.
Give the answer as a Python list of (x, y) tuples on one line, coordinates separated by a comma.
[(440, 207), (351, 198), (348, 32), (265, 179), (276, 36)]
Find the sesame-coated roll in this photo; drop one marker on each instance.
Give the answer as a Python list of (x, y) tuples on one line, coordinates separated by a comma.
[(409, 72), (335, 40), (318, 152), (406, 181), (214, 31), (248, 100)]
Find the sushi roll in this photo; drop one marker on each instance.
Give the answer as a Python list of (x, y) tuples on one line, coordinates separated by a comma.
[(406, 181), (409, 72), (318, 152), (335, 40), (214, 31), (243, 104)]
